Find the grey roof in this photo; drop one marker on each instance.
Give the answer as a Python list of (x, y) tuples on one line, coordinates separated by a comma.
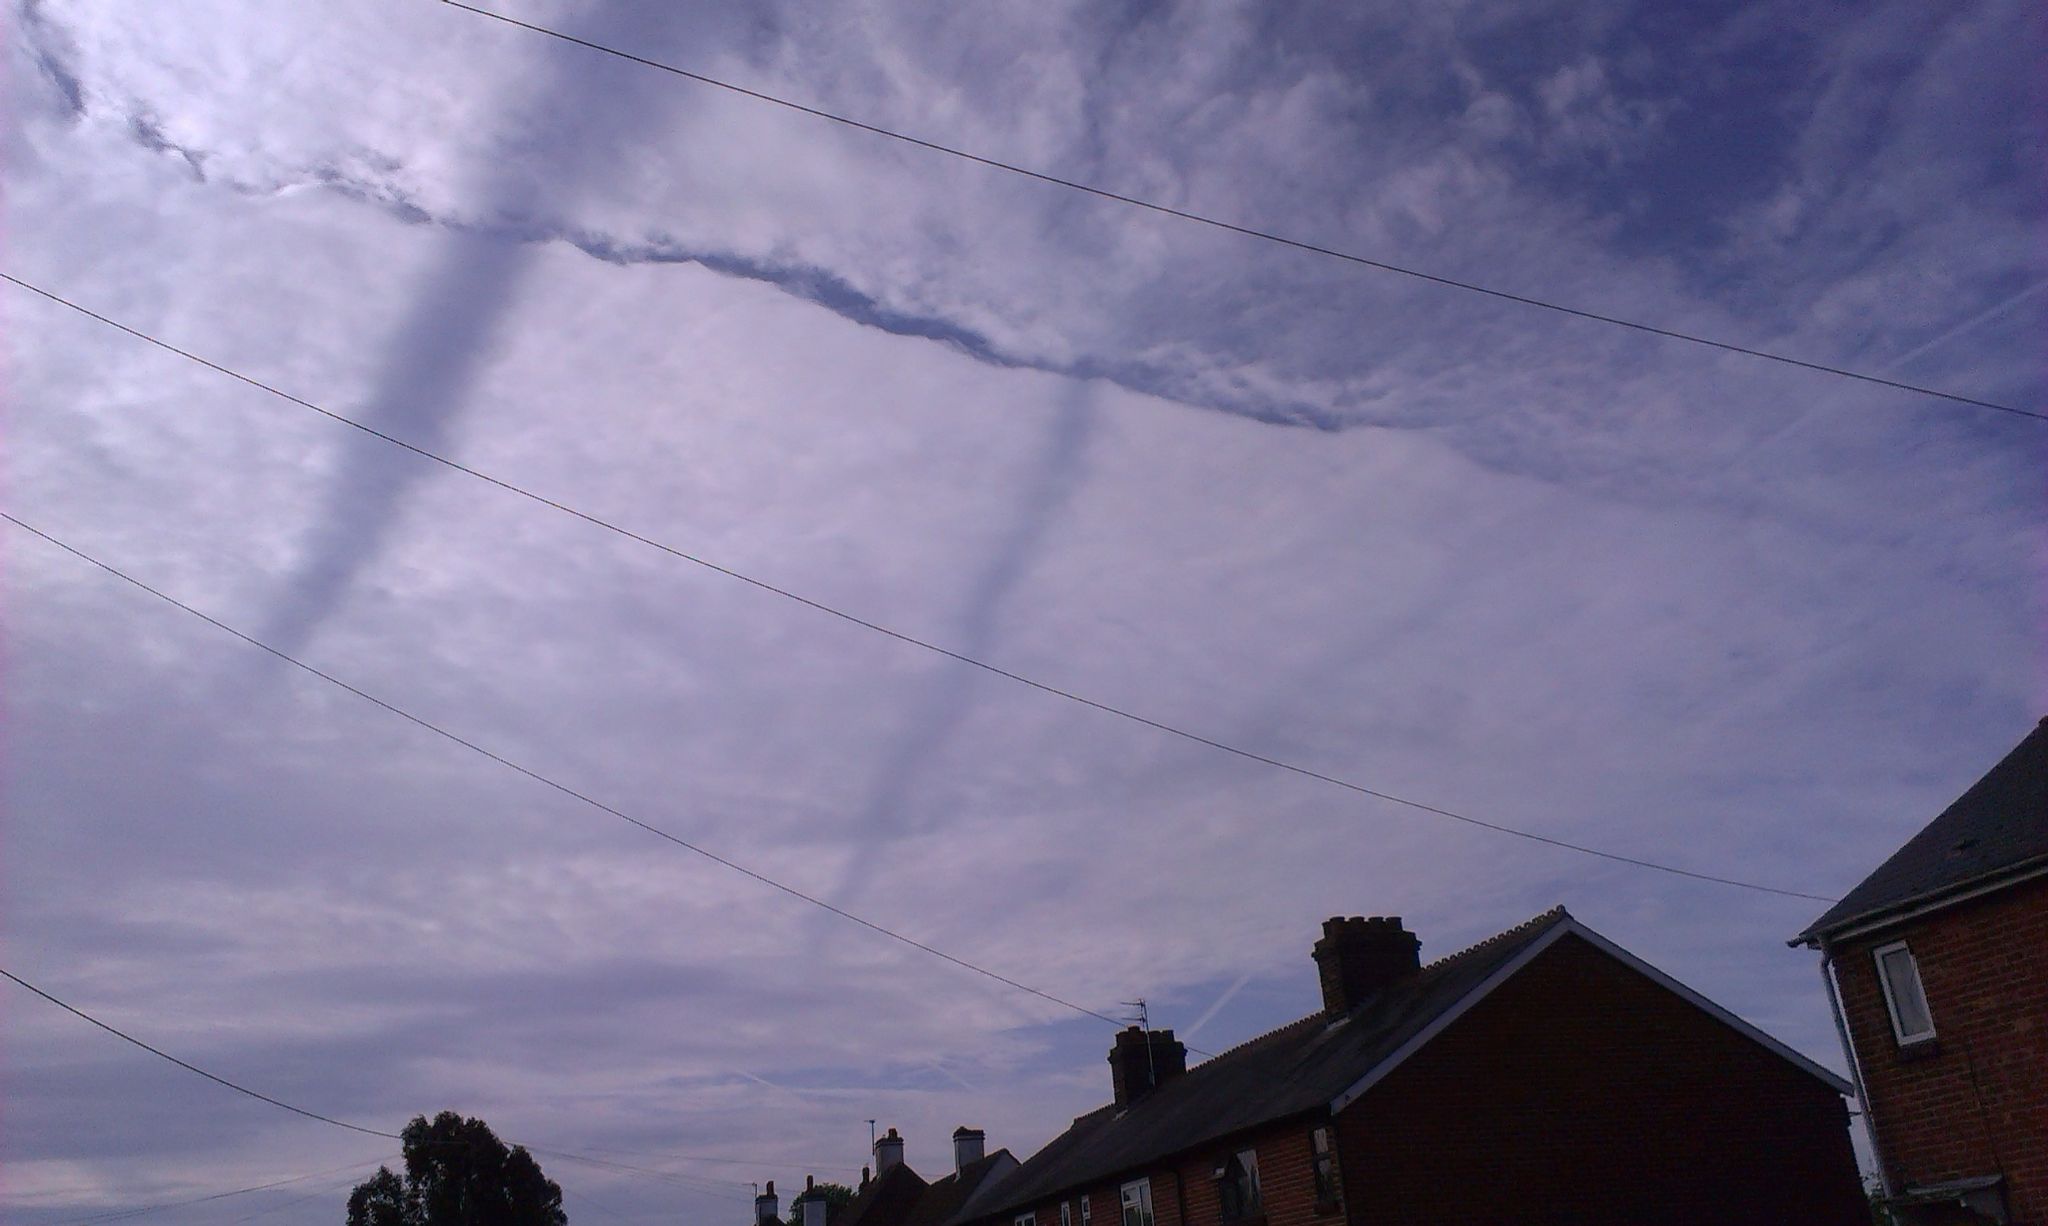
[(1292, 1071), (886, 1200), (948, 1196), (1997, 828)]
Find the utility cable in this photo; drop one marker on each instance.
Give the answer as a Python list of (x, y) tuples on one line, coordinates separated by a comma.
[(833, 611), (563, 788), (193, 1068), (122, 1215), (1234, 228), (674, 1177)]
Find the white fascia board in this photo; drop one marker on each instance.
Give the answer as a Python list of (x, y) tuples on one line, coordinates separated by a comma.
[(1914, 910), (1833, 1080), (1508, 971)]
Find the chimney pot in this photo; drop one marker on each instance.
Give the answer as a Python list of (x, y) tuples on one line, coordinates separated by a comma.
[(1360, 957)]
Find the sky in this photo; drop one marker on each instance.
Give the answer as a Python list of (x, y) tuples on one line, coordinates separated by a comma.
[(1675, 603)]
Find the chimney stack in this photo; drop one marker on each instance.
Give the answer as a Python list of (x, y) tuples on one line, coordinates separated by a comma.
[(1359, 957), (1142, 1061), (888, 1152), (968, 1144), (813, 1202), (767, 1210)]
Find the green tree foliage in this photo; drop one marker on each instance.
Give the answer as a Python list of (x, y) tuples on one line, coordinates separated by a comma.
[(458, 1173), (837, 1196)]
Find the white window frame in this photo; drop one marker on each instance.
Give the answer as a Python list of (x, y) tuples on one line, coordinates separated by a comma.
[(1322, 1147), (1253, 1203), (1084, 1211), (1891, 1004), (1143, 1198), (1066, 1213), (1026, 1219)]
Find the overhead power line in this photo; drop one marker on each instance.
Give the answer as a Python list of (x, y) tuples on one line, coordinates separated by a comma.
[(540, 778), (158, 1052), (676, 1177), (121, 1215), (833, 611), (1234, 228)]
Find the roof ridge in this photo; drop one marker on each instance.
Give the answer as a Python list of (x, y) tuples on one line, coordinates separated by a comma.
[(1257, 1039), (1522, 929)]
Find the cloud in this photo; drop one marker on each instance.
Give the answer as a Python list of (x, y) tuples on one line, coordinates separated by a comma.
[(1614, 591)]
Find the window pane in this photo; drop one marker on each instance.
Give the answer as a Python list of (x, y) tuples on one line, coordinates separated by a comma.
[(1138, 1203), (1909, 1002)]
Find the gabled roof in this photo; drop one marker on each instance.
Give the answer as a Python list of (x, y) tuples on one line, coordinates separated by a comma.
[(1997, 829), (947, 1198), (900, 1196), (1316, 1065), (886, 1200), (1296, 1069)]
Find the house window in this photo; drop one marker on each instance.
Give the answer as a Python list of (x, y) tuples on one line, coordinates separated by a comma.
[(1138, 1203), (1026, 1219), (1237, 1184), (1066, 1213), (1084, 1211), (1323, 1156), (1903, 995)]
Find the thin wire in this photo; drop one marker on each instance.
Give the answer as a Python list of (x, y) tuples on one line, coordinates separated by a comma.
[(678, 1178), (717, 1188), (1246, 231), (843, 615), (563, 788), (188, 1067), (120, 1215)]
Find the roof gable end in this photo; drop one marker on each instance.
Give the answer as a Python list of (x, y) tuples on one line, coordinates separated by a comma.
[(1534, 950)]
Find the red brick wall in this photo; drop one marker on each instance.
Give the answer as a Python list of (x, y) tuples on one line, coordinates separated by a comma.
[(1286, 1186), (1977, 1101), (1581, 1092)]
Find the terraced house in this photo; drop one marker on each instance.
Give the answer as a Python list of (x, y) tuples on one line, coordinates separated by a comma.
[(1542, 1076)]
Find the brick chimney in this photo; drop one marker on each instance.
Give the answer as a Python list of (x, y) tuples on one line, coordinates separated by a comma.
[(888, 1152), (1360, 956), (1142, 1061), (767, 1209), (968, 1144)]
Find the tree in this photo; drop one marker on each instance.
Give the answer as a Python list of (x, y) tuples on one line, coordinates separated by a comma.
[(458, 1173), (837, 1196)]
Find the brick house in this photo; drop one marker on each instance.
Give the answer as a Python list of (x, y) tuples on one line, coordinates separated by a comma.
[(896, 1195), (1544, 1076), (1937, 967)]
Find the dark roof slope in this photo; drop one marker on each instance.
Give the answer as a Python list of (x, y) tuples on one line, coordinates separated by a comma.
[(947, 1197), (1293, 1070), (886, 1200), (1999, 826)]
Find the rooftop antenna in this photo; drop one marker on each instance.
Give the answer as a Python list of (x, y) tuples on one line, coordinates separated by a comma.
[(1144, 1022), (871, 1136)]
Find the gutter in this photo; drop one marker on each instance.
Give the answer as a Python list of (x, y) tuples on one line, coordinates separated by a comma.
[(1922, 904), (1827, 978)]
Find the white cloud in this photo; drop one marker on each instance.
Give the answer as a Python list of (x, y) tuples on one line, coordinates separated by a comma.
[(1692, 609)]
